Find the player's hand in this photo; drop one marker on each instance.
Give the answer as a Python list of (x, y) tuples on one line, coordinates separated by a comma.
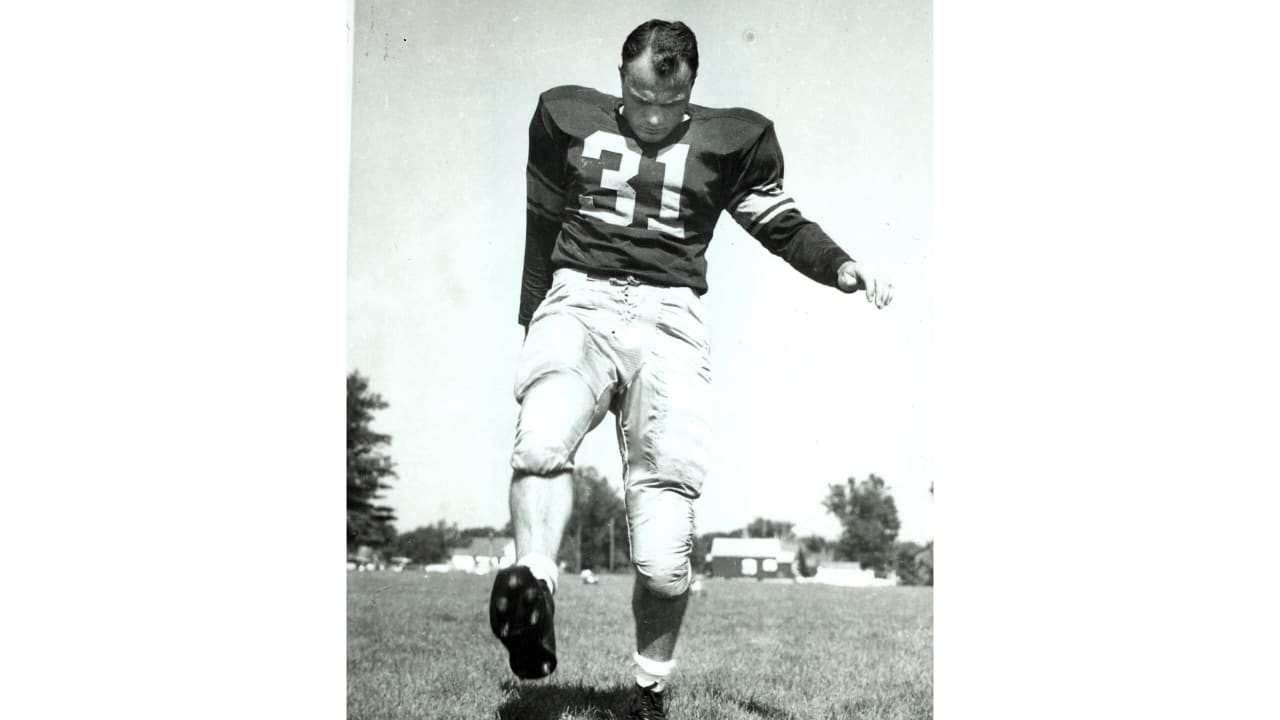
[(853, 278)]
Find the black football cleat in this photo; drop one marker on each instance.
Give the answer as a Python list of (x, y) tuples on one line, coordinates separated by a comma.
[(647, 704), (521, 615)]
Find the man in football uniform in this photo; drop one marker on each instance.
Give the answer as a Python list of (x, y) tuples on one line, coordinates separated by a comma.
[(623, 197)]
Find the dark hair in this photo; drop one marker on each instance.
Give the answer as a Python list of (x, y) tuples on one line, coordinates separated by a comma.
[(671, 43)]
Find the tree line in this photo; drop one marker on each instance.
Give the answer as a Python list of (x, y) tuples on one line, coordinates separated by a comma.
[(369, 469), (596, 535)]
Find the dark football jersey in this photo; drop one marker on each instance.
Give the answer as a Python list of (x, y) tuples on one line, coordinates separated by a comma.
[(602, 201)]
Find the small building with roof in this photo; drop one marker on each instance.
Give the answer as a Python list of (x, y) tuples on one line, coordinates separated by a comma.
[(482, 555), (758, 558)]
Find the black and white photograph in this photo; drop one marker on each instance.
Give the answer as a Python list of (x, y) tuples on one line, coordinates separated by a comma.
[(636, 420), (678, 339)]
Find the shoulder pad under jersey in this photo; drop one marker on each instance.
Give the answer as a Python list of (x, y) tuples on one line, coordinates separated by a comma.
[(578, 110), (730, 130)]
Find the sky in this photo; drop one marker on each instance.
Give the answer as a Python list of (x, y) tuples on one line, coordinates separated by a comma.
[(811, 386)]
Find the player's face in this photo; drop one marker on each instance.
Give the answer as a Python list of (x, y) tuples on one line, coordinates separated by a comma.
[(654, 106)]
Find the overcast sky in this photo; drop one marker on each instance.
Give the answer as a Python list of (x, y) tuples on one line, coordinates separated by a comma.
[(811, 386)]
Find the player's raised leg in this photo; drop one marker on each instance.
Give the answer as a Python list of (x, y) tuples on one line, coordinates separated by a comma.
[(522, 604), (561, 386)]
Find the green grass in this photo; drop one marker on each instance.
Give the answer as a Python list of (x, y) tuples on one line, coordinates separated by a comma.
[(419, 647)]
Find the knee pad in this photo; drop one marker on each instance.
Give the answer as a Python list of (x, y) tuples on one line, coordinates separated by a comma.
[(668, 578), (660, 525), (539, 456)]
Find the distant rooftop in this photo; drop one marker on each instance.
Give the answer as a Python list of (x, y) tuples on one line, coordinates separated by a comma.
[(746, 547), (481, 546)]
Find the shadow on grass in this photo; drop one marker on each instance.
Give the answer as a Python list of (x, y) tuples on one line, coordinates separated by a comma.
[(550, 702), (528, 701), (753, 706)]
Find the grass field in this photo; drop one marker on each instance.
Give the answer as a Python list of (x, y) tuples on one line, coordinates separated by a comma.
[(419, 647)]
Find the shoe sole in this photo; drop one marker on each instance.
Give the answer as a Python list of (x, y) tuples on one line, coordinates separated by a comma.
[(521, 616)]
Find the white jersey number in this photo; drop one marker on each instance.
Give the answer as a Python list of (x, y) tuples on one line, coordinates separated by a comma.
[(671, 158)]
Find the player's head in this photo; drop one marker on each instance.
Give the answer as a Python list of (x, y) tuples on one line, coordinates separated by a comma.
[(670, 46), (659, 65)]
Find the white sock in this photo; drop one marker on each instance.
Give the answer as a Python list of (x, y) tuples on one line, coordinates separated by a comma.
[(652, 672), (543, 568)]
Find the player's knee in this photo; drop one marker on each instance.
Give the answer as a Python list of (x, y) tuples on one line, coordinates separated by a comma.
[(535, 456), (666, 578)]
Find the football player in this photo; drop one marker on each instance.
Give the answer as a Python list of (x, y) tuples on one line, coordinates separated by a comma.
[(623, 197)]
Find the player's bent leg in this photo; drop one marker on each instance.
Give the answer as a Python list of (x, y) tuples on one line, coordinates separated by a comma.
[(556, 412), (561, 384), (559, 404)]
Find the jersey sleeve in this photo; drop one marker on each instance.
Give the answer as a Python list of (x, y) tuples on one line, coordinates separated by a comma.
[(759, 204), (544, 207)]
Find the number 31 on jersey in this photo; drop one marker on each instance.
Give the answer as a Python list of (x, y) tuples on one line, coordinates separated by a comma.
[(620, 181)]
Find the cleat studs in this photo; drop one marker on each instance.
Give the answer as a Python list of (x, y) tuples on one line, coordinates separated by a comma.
[(504, 630), (501, 604), (546, 668), (513, 582), (533, 617)]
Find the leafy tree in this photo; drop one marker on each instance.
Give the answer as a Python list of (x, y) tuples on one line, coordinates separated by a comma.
[(806, 565), (764, 528), (914, 563), (586, 538), (423, 545), (807, 557), (368, 469), (450, 534), (428, 543), (480, 532), (814, 544), (870, 520)]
